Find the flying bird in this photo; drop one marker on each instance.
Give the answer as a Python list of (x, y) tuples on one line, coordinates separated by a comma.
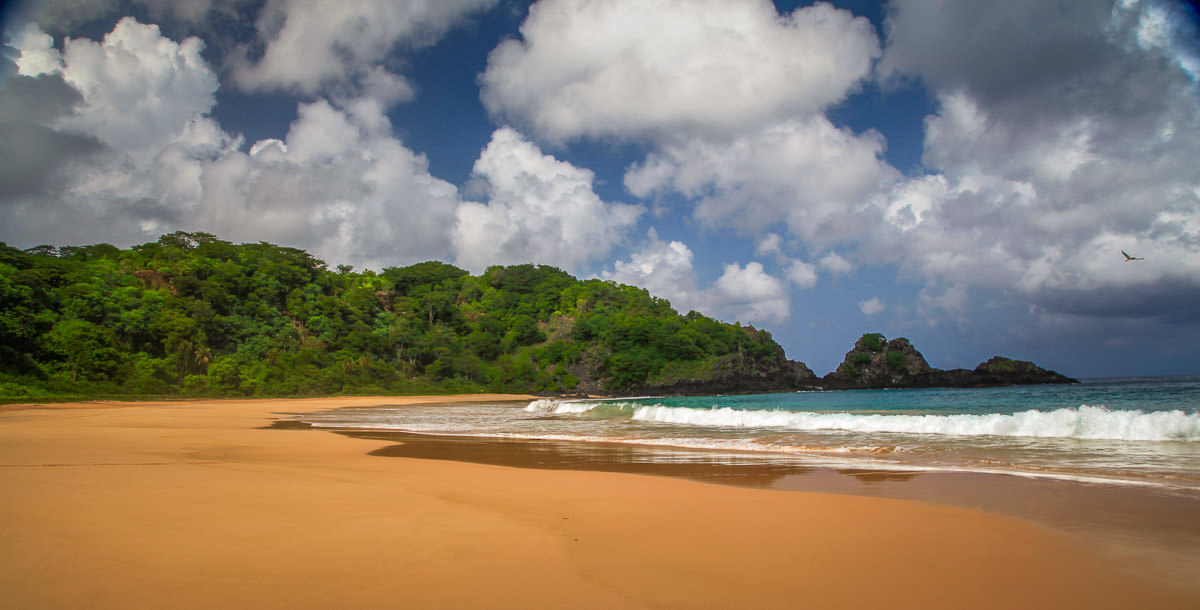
[(1131, 258)]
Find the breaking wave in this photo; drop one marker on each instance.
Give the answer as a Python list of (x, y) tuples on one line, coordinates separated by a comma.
[(1083, 422)]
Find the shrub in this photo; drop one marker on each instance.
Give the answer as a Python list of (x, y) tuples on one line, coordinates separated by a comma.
[(1001, 365), (873, 341)]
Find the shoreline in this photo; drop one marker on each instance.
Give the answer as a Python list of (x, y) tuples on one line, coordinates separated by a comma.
[(1163, 540), (195, 504)]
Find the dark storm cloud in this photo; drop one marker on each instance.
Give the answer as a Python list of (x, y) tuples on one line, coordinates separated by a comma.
[(996, 55), (31, 152), (1171, 300)]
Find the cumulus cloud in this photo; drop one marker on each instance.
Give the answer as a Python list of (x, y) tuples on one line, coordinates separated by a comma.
[(629, 68), (665, 270), (800, 273), (539, 209), (836, 264), (339, 183), (871, 306), (139, 89), (806, 173), (306, 47), (346, 49), (1065, 132), (37, 52), (772, 243), (748, 293)]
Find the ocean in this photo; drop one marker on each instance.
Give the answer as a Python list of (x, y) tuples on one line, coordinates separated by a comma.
[(1127, 431)]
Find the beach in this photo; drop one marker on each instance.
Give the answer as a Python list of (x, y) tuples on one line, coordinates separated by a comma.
[(194, 504)]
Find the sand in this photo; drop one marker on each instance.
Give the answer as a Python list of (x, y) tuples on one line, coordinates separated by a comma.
[(198, 505)]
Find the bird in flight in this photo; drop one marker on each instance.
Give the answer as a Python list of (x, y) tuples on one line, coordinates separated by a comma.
[(1131, 258)]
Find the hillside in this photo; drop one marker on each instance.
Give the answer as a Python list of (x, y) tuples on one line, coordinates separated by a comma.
[(193, 315)]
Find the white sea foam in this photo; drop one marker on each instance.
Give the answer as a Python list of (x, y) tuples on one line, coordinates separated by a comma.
[(548, 405), (1084, 422)]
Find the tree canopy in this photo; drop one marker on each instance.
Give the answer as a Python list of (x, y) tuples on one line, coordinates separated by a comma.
[(194, 315)]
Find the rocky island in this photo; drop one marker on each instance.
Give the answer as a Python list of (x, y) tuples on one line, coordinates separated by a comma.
[(876, 363)]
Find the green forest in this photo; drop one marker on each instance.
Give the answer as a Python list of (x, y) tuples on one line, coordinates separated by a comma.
[(192, 315)]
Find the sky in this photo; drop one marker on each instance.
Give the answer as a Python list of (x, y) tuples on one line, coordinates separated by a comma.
[(963, 174)]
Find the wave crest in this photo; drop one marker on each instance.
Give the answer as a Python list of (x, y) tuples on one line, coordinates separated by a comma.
[(1083, 422)]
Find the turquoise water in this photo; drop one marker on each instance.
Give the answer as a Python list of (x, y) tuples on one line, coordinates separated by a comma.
[(1129, 431)]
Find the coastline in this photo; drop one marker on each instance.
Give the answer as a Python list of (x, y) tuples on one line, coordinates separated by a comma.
[(196, 504)]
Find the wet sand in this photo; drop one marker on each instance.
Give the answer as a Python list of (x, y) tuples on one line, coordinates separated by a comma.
[(1148, 530), (200, 504)]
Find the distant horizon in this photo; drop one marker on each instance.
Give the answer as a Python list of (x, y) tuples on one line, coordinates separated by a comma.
[(964, 175)]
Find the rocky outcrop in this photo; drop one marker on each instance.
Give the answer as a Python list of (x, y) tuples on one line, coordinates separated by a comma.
[(733, 374), (876, 363), (1004, 371)]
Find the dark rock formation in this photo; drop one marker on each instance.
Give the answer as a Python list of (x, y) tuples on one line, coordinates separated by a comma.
[(731, 375), (1005, 371), (876, 363)]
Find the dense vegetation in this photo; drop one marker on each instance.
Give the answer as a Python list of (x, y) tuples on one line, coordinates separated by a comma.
[(194, 315)]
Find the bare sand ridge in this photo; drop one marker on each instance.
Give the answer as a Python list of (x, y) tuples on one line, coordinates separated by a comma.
[(196, 505)]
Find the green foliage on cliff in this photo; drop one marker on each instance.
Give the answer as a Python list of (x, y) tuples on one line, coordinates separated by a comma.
[(873, 341), (1000, 365), (193, 315)]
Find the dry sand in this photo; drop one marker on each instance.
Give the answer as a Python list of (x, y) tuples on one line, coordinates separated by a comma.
[(196, 505)]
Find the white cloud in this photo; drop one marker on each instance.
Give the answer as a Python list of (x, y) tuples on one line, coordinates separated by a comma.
[(750, 295), (1064, 133), (807, 173), (911, 202), (1060, 133), (539, 209), (772, 243), (654, 67), (309, 46), (139, 89), (340, 184), (38, 55), (871, 306), (747, 294), (665, 270), (802, 274), (836, 264)]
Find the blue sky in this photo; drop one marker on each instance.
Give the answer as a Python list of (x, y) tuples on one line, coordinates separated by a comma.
[(961, 174)]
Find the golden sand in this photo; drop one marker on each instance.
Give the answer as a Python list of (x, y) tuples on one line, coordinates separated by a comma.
[(197, 505)]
